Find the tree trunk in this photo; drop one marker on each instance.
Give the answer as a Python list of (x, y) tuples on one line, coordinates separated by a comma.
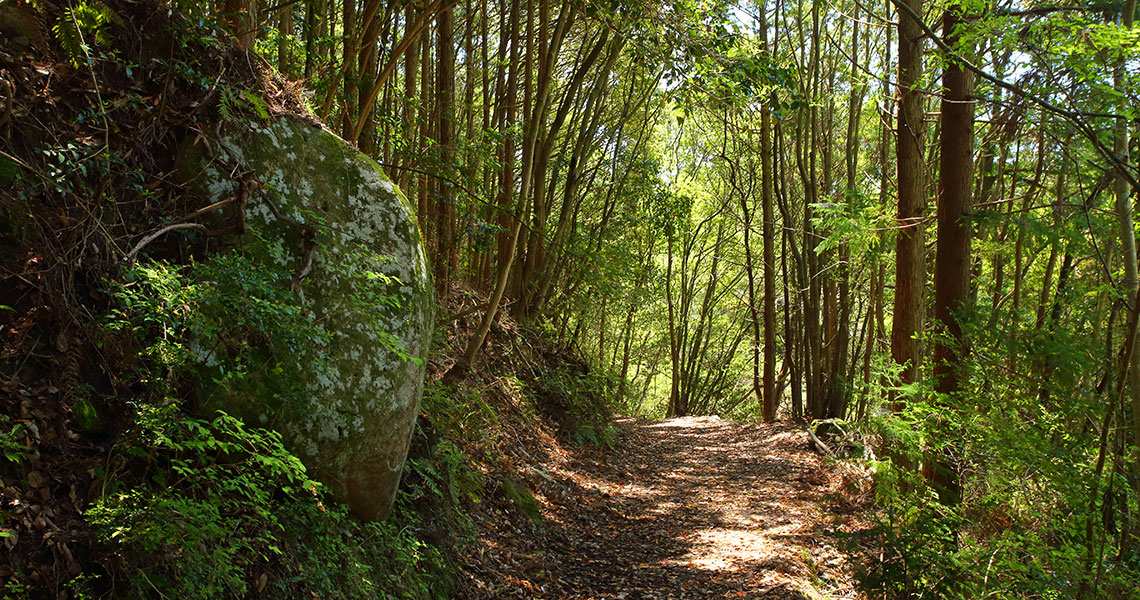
[(314, 17), (1131, 281), (770, 401), (243, 21), (952, 267), (285, 42), (428, 217), (839, 389), (411, 74), (674, 409), (348, 65), (447, 251), (910, 262)]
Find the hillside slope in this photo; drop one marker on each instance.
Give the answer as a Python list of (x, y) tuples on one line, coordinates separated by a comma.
[(116, 483)]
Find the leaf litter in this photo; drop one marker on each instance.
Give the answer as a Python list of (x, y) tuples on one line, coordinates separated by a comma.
[(685, 508)]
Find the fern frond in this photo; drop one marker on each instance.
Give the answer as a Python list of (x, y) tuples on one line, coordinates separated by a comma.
[(82, 25)]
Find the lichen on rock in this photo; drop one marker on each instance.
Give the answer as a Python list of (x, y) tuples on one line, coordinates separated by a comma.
[(368, 289)]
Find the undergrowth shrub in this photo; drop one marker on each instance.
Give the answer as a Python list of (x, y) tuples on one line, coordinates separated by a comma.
[(231, 511), (214, 321), (1028, 524), (459, 413), (583, 398), (213, 508), (11, 446), (444, 472), (917, 536), (327, 553), (440, 472), (207, 514)]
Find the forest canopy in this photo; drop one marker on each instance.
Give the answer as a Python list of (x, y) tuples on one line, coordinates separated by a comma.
[(911, 219), (912, 215)]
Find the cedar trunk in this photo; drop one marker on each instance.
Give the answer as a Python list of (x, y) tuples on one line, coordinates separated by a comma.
[(952, 266)]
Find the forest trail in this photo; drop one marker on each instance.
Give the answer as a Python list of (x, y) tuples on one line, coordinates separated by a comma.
[(694, 507)]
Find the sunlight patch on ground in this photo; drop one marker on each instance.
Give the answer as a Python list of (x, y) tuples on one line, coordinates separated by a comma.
[(634, 490), (727, 549), (687, 508), (691, 422)]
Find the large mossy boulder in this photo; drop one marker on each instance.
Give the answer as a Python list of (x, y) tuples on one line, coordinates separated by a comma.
[(320, 209)]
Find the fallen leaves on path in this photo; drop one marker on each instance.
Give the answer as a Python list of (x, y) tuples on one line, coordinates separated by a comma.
[(695, 507)]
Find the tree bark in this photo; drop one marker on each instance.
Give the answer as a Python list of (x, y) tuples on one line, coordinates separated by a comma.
[(770, 401), (243, 21), (910, 251), (1131, 283), (284, 42), (447, 250), (952, 266), (673, 409)]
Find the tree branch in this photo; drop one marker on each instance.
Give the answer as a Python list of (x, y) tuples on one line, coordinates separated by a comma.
[(1073, 117), (130, 257)]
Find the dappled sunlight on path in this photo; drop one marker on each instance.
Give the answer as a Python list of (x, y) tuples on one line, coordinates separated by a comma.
[(693, 507)]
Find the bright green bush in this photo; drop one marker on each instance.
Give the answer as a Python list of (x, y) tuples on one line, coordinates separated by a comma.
[(1021, 530), (214, 321), (208, 513), (230, 504)]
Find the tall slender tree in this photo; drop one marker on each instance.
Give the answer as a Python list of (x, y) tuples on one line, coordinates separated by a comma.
[(910, 241), (952, 264)]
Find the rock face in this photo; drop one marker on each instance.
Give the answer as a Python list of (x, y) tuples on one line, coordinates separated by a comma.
[(351, 423)]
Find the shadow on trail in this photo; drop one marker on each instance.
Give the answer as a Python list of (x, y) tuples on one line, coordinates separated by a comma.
[(692, 508)]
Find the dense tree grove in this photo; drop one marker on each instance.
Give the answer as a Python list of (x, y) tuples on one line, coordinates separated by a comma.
[(913, 215), (911, 218)]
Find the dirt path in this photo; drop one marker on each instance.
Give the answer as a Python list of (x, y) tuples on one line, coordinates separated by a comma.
[(683, 508)]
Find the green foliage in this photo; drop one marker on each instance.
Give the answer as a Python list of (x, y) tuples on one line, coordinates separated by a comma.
[(445, 473), (853, 220), (230, 319), (66, 167), (218, 321), (919, 560), (600, 435), (200, 27), (11, 439), (462, 414), (83, 25), (586, 396), (210, 511), (439, 470), (327, 553), (14, 588), (224, 509), (234, 103), (1020, 530), (669, 212), (226, 503)]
